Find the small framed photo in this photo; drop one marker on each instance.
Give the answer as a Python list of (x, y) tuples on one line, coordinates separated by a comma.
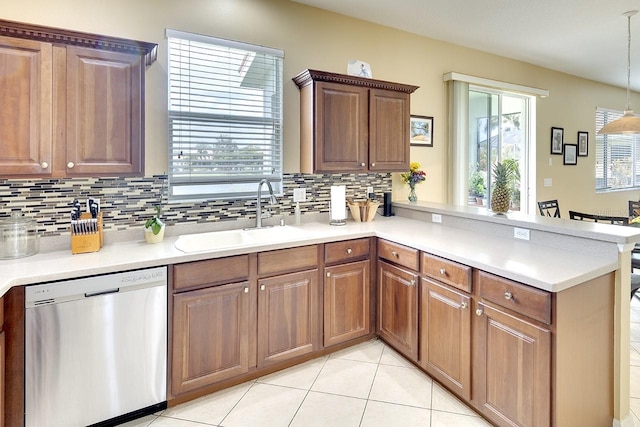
[(421, 131), (557, 140), (583, 143), (570, 154)]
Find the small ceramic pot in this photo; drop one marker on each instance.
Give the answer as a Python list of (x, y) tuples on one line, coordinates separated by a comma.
[(153, 238)]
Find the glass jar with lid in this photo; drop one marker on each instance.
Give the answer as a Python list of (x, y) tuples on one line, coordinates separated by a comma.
[(18, 237)]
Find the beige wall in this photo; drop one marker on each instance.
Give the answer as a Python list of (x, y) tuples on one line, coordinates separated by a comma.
[(313, 38)]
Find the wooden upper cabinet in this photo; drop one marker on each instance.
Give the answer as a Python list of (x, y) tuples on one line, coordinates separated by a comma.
[(104, 131), (25, 107), (352, 124), (389, 132), (72, 103), (341, 127)]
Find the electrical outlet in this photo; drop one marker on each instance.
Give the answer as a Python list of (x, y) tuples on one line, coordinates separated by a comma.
[(299, 195), (436, 217), (369, 191), (521, 233)]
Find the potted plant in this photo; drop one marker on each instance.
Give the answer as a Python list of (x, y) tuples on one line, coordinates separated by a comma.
[(154, 227), (477, 187)]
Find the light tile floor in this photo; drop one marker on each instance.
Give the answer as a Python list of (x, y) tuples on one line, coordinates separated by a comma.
[(367, 385)]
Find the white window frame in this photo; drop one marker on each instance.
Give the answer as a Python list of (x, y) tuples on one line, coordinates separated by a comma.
[(459, 136), (224, 117), (610, 175)]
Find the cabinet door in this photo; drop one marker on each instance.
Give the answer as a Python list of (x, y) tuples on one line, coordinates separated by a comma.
[(445, 335), (210, 336), (346, 302), (398, 308), (104, 112), (288, 324), (25, 107), (389, 121), (341, 128), (512, 359)]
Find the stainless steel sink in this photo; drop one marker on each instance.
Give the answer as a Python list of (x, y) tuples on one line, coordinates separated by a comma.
[(227, 239)]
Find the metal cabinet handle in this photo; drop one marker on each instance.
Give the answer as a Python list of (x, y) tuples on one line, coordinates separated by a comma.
[(443, 271), (349, 250), (44, 165), (395, 254), (362, 164), (463, 304), (70, 165), (479, 312), (262, 287), (412, 282), (508, 295), (246, 290), (328, 274), (373, 165)]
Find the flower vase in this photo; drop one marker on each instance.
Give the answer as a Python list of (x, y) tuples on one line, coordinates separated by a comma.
[(412, 194)]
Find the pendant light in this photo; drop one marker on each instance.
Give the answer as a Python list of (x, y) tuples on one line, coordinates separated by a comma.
[(629, 123)]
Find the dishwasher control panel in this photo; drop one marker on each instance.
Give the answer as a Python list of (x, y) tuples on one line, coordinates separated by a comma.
[(69, 290)]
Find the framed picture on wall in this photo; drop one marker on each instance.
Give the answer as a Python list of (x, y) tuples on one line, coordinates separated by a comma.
[(583, 143), (557, 140), (570, 154), (421, 131)]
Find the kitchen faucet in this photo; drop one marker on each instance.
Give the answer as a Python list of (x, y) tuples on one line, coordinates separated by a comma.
[(272, 200)]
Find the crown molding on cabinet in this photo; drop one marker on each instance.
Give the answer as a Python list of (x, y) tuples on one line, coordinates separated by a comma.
[(68, 37)]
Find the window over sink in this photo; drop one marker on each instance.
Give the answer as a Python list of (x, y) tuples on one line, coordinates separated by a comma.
[(225, 117)]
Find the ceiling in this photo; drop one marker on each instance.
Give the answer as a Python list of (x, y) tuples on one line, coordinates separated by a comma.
[(586, 38)]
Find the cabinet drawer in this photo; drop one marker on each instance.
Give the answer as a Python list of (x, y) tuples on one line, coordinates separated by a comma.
[(212, 271), (399, 254), (528, 301), (287, 260), (445, 271), (346, 251)]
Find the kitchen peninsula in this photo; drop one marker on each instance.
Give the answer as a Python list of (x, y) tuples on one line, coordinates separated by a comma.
[(559, 293)]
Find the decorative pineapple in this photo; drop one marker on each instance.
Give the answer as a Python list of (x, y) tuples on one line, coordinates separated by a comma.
[(500, 197)]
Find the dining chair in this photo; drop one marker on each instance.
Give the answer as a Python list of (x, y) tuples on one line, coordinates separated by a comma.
[(549, 208), (615, 220), (634, 208), (634, 211)]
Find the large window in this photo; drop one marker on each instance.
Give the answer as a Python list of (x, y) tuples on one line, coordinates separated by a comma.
[(498, 123), (617, 156), (225, 117)]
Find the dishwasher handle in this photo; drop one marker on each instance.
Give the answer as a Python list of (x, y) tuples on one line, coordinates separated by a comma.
[(104, 292)]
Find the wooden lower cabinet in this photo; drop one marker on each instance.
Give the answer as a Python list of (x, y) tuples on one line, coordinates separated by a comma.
[(398, 308), (288, 324), (346, 302), (512, 369), (445, 335), (210, 336)]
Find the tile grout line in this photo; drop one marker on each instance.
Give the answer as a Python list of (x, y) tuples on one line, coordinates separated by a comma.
[(309, 390)]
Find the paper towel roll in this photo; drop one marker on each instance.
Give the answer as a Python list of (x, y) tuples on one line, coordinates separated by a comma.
[(338, 202)]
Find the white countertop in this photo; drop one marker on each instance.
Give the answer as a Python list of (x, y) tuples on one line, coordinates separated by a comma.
[(546, 268)]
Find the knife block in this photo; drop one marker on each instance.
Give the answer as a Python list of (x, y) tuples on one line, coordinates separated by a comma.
[(87, 242)]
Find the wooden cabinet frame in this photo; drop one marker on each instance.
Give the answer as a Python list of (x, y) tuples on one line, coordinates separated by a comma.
[(353, 124), (81, 102)]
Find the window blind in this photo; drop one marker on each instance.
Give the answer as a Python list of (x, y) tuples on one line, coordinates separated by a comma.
[(225, 117), (617, 156)]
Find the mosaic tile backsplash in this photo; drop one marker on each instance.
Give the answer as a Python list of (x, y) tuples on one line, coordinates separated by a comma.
[(129, 202)]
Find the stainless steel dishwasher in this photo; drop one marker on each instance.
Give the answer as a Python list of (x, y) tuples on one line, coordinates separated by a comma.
[(96, 349)]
